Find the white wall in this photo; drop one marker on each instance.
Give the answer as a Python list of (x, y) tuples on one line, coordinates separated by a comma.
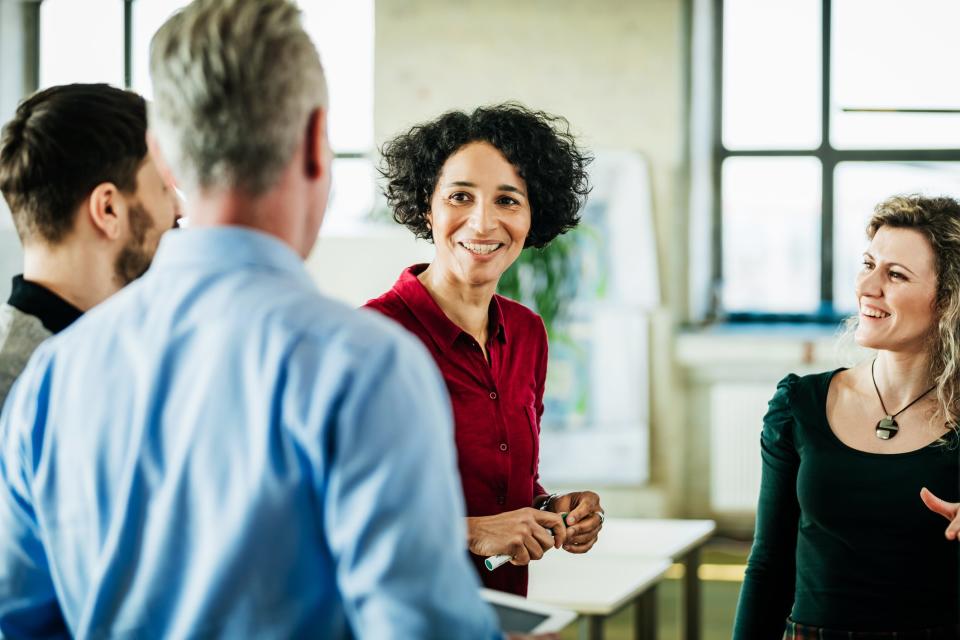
[(11, 257), (355, 269), (614, 68)]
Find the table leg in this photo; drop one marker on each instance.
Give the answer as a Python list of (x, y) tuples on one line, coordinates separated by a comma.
[(645, 615), (691, 595), (591, 627)]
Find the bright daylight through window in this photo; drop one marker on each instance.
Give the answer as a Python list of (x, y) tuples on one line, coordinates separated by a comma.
[(806, 149)]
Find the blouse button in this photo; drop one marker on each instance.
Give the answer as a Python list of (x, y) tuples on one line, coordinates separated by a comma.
[(501, 500), (503, 446), (493, 395)]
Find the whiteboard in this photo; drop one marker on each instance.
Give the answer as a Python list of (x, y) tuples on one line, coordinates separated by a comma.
[(596, 422)]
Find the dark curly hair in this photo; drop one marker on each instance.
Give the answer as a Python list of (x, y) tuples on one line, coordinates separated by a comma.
[(539, 145)]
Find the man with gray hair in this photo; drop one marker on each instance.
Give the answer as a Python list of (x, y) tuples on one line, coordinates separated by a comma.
[(219, 450)]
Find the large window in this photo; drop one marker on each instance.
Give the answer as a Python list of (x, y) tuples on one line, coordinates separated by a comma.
[(81, 42), (823, 108), (109, 41)]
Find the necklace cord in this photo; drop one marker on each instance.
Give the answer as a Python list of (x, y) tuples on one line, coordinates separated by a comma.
[(880, 398)]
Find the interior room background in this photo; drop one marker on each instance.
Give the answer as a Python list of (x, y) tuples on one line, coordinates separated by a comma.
[(740, 146)]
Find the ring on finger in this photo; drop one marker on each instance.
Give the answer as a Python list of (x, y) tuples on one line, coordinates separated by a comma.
[(601, 516)]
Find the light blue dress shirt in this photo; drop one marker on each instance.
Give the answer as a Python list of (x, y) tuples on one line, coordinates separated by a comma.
[(220, 451)]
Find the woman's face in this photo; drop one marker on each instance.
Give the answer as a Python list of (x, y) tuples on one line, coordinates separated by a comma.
[(896, 290), (479, 215)]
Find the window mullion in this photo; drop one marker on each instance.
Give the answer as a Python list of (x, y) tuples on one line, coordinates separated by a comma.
[(30, 23), (828, 164), (128, 43), (714, 303)]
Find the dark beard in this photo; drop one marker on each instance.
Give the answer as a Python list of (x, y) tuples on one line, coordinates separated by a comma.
[(134, 259)]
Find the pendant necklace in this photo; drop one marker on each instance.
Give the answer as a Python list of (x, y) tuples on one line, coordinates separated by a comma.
[(888, 427)]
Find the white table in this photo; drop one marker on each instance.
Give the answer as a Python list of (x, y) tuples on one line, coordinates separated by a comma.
[(596, 586), (675, 540)]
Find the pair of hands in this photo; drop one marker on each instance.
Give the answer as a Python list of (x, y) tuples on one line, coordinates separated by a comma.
[(525, 534), (949, 510)]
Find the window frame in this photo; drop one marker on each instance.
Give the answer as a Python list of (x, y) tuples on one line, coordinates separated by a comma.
[(128, 69), (829, 158), (33, 25)]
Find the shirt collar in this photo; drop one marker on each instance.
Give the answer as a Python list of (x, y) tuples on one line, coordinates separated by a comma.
[(431, 316), (55, 313), (226, 248)]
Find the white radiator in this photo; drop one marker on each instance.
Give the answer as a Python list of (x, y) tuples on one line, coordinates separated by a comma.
[(736, 412)]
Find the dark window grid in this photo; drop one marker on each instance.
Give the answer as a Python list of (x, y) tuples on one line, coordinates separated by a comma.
[(828, 156)]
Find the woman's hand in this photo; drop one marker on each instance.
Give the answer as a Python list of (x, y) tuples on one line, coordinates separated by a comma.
[(583, 519), (949, 510), (523, 534)]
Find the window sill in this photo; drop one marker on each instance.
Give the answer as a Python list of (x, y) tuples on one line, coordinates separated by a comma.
[(765, 348)]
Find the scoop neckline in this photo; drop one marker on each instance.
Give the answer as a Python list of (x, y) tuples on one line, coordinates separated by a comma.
[(836, 439)]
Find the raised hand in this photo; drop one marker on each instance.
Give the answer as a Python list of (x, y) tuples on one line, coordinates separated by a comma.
[(949, 510)]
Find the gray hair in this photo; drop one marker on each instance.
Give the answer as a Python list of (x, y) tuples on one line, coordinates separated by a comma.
[(234, 82)]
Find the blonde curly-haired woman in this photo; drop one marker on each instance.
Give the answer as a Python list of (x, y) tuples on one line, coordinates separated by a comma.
[(860, 464)]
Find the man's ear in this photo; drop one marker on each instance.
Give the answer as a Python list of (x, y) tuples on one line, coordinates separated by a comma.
[(316, 160), (106, 209)]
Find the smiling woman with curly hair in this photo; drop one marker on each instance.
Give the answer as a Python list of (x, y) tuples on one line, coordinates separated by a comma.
[(860, 464), (537, 144), (482, 186)]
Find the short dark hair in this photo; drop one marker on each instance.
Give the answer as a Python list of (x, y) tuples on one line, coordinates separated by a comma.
[(538, 144), (63, 142)]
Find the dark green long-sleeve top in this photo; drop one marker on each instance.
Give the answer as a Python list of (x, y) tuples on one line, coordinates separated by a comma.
[(842, 539)]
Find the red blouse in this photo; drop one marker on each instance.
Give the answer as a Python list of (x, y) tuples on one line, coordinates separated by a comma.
[(496, 405)]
